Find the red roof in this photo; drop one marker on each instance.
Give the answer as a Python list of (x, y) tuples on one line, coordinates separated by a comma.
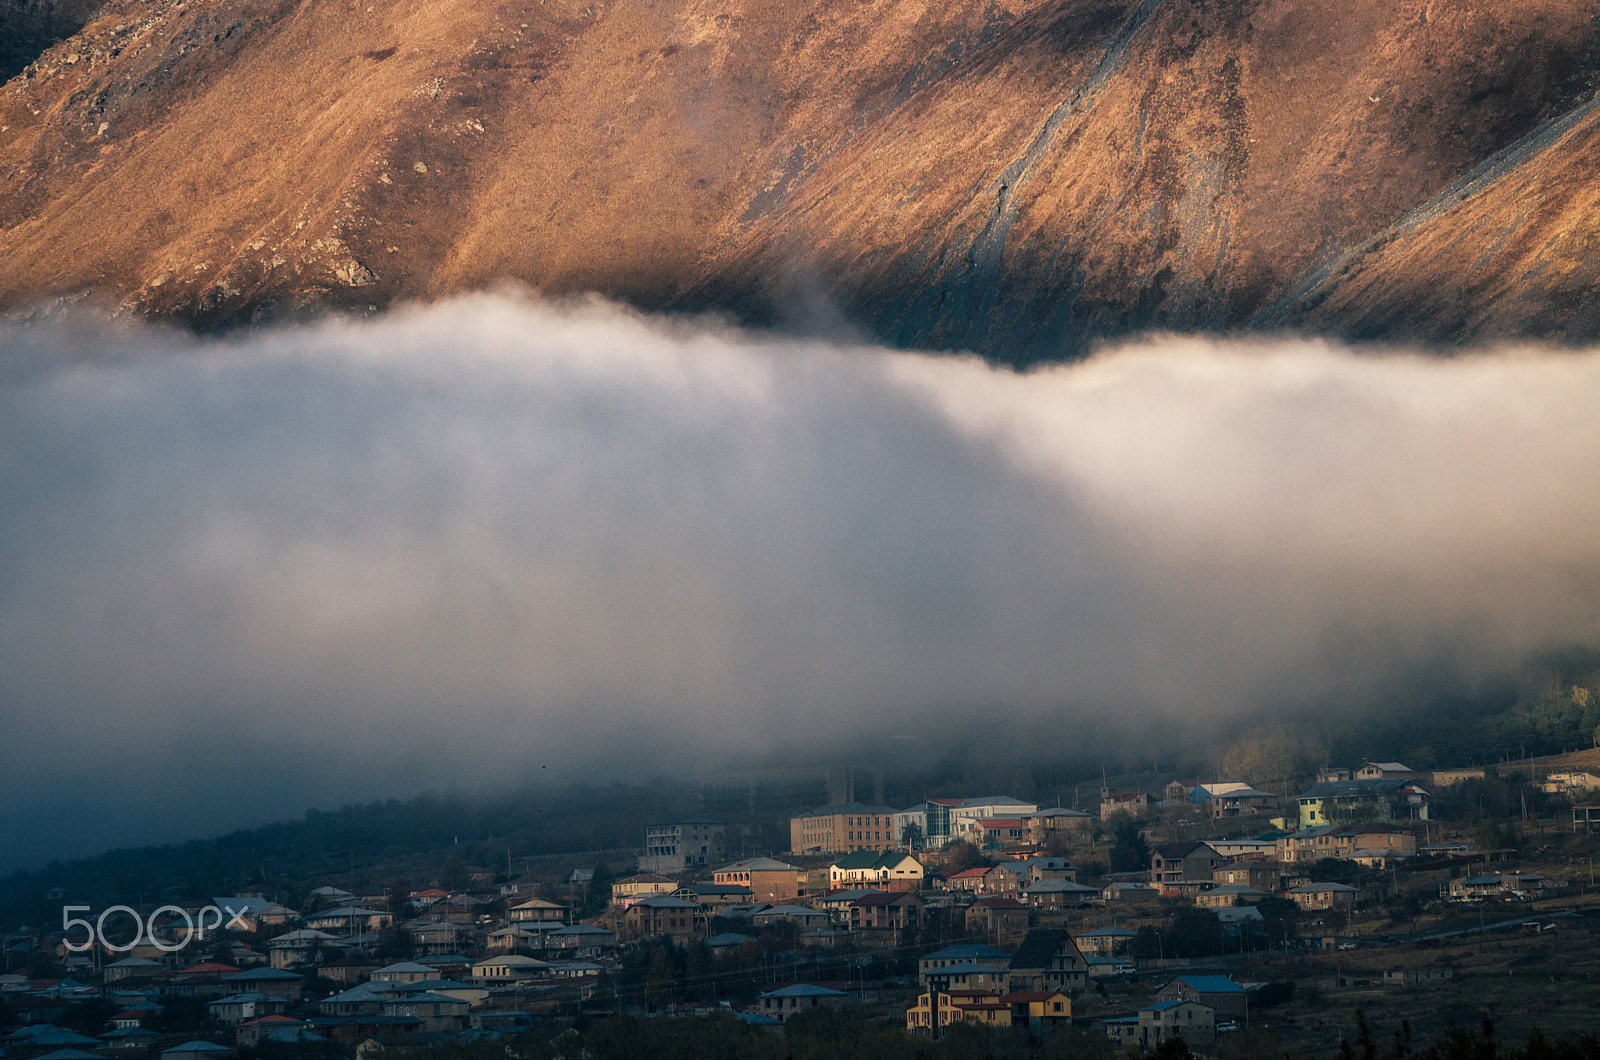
[(1001, 822), (967, 874), (269, 1019), (211, 968), (432, 892), (946, 802)]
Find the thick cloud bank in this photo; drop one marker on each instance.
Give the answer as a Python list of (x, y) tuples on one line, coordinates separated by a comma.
[(489, 538)]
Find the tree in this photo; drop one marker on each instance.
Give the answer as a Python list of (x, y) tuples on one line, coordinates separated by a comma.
[(42, 964), (960, 856), (598, 896), (454, 876), (1272, 759), (1130, 852), (911, 836)]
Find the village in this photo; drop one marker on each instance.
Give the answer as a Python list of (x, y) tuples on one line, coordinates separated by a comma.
[(1207, 911)]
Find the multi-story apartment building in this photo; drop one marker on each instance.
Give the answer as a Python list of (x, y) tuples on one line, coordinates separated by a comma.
[(840, 828), (679, 846)]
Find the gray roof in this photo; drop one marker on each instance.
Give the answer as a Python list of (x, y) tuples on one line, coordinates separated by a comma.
[(805, 990), (262, 975), (197, 1047), (1059, 887), (239, 999), (966, 968), (847, 807), (967, 951), (758, 865)]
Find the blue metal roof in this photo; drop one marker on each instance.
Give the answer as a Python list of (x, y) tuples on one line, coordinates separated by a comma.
[(1212, 984)]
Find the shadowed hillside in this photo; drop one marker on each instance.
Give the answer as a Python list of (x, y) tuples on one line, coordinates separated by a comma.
[(1013, 176)]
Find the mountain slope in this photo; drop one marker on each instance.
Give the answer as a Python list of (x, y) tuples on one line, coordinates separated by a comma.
[(1013, 176)]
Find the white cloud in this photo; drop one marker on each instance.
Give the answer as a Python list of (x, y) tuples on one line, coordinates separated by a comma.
[(462, 542)]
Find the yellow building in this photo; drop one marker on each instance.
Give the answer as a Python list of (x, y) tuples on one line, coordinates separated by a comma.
[(1039, 1009), (841, 828)]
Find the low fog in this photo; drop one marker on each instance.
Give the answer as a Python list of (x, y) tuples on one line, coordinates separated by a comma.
[(494, 540)]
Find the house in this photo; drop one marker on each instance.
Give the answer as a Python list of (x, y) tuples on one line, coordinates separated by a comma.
[(535, 911), (1001, 919), (1129, 891), (507, 969), (404, 972), (842, 827), (1056, 822), (363, 1000), (1314, 897), (251, 913), (1371, 843), (966, 953), (1384, 771), (517, 938), (1256, 873), (784, 1003), (967, 975), (1243, 801), (947, 1007), (1246, 848), (1192, 1021), (970, 880), (130, 968), (348, 969), (683, 845), (301, 947), (1057, 894), (1222, 994), (582, 940), (799, 914), (251, 1032), (769, 880), (1124, 1030), (1228, 895), (1047, 867), (270, 981), (955, 1006), (1572, 785), (1172, 863), (1040, 1011), (436, 1011), (965, 817), (661, 915), (1130, 803), (641, 885), (885, 911), (996, 833), (1049, 960), (350, 919), (240, 1007), (885, 871), (1333, 802), (1510, 887), (837, 903), (714, 897), (1105, 942)]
